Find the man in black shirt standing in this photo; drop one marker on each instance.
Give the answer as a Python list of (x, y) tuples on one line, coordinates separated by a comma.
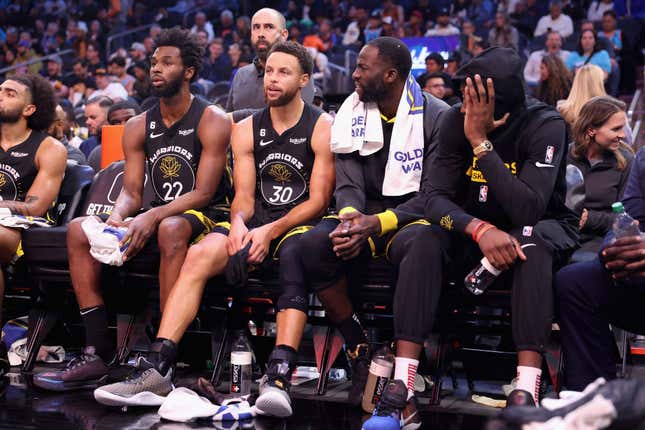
[(499, 178)]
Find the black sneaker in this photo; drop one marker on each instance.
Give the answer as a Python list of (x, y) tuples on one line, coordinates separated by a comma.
[(4, 360), (360, 361), (519, 398), (388, 414), (86, 371)]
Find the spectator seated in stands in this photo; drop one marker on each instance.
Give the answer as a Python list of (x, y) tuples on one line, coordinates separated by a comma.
[(107, 88), (597, 8), (435, 64), (217, 64), (555, 21), (607, 290), (201, 23), (555, 82), (503, 33), (118, 114), (142, 86), (435, 84), (443, 27), (552, 46), (54, 74), (32, 164), (60, 130), (589, 52), (96, 111), (117, 68), (587, 83), (79, 82), (599, 151), (93, 57), (354, 35)]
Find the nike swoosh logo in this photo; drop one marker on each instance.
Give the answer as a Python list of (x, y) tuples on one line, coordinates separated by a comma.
[(263, 143), (152, 135), (538, 164), (89, 310)]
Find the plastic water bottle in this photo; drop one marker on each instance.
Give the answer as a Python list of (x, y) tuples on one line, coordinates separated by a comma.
[(241, 366), (624, 225), (480, 278), (380, 372)]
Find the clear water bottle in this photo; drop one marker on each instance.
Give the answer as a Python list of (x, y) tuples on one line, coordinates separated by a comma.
[(480, 278), (624, 225), (241, 365), (380, 373)]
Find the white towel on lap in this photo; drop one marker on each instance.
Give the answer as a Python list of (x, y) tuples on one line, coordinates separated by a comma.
[(104, 241), (357, 127), (9, 219)]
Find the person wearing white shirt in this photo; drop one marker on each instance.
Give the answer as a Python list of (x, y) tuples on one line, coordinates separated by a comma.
[(105, 87), (443, 27), (202, 24), (599, 7), (556, 21), (552, 45)]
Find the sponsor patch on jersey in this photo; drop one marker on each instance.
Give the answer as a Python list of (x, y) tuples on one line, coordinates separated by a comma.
[(297, 140), (19, 154), (186, 132)]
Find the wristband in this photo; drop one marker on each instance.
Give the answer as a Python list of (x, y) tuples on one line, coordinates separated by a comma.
[(479, 225), (483, 230)]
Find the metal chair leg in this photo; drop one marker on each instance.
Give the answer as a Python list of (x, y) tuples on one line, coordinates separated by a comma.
[(323, 369), (40, 324)]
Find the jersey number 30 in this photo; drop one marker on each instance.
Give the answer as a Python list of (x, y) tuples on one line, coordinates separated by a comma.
[(172, 188), (281, 194)]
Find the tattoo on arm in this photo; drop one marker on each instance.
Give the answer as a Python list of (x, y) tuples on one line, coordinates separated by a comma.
[(22, 208)]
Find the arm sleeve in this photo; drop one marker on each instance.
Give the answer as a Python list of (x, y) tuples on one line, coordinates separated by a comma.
[(350, 183), (525, 198), (634, 197), (446, 169)]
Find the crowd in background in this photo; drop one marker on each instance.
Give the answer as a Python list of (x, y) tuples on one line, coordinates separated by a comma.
[(555, 39)]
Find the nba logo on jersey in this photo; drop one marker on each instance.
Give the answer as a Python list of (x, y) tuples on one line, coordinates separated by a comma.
[(548, 158), (483, 193)]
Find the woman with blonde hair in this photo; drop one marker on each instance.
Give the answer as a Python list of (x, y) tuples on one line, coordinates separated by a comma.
[(599, 151), (587, 83)]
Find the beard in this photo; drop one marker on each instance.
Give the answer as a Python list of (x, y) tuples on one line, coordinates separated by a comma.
[(10, 116), (373, 91), (262, 51), (284, 99), (170, 89)]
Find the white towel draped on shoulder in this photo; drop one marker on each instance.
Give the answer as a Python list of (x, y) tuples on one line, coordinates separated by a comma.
[(357, 127)]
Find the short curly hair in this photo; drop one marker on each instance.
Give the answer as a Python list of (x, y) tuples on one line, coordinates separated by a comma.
[(43, 97), (192, 52)]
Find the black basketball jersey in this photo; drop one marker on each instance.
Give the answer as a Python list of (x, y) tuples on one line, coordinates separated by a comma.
[(18, 169), (173, 155), (283, 163)]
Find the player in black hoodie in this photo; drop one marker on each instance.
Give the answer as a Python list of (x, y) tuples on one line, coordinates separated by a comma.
[(497, 184)]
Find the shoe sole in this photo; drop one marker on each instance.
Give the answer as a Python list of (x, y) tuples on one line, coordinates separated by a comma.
[(145, 398), (60, 386), (274, 405)]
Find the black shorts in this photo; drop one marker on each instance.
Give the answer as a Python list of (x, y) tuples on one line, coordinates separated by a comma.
[(201, 221), (274, 247)]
